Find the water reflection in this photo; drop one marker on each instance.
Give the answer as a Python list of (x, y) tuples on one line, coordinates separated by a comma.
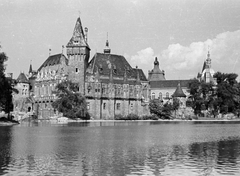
[(120, 149)]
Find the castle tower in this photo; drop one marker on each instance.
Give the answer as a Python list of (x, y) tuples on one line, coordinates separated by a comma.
[(156, 74), (78, 55), (208, 67)]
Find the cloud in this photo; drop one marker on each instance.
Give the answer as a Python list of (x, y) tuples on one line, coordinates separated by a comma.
[(184, 62), (143, 59)]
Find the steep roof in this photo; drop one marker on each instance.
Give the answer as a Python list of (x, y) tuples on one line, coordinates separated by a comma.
[(78, 38), (30, 69), (22, 78), (105, 63), (178, 92), (53, 60), (156, 74), (168, 83)]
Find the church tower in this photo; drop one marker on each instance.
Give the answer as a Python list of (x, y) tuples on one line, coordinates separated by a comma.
[(208, 67), (78, 55)]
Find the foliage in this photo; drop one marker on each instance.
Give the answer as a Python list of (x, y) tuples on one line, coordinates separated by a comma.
[(162, 110), (6, 87), (223, 97), (70, 102), (136, 117)]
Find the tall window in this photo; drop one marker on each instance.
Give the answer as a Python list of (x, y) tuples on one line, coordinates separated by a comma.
[(118, 106), (153, 96), (104, 105), (88, 105), (160, 96), (167, 95)]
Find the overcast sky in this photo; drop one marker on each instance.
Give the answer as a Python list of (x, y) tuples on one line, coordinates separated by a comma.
[(178, 32)]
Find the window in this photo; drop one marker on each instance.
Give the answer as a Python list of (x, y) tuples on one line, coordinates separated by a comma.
[(76, 70), (88, 105), (167, 95), (160, 96), (118, 106), (104, 105), (153, 96)]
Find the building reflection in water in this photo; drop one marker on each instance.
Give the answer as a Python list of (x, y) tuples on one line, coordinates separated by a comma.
[(122, 149)]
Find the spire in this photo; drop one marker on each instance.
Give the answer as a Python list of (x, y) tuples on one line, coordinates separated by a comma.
[(78, 37), (156, 61), (178, 92), (107, 50), (30, 68), (208, 59)]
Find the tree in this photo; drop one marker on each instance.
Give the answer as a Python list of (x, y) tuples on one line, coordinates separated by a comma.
[(201, 95), (228, 92), (162, 110), (223, 97), (6, 87), (70, 102)]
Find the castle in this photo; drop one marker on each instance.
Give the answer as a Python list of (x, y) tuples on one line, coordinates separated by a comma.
[(109, 83)]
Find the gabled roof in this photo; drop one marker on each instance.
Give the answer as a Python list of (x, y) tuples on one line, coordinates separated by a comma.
[(53, 60), (22, 78), (178, 92), (78, 38), (105, 63), (168, 83)]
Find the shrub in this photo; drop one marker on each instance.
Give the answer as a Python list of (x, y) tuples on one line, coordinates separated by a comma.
[(132, 117), (119, 117)]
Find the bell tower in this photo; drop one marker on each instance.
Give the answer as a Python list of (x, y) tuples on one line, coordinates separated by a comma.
[(78, 53)]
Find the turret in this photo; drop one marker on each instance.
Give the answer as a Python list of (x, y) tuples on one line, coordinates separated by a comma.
[(78, 55)]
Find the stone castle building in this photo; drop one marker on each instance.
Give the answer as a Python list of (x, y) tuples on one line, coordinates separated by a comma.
[(109, 83), (163, 89)]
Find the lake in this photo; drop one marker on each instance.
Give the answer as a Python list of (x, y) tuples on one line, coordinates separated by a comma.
[(121, 148)]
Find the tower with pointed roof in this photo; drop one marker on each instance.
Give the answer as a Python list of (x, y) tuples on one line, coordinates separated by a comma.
[(78, 55), (207, 71), (156, 74)]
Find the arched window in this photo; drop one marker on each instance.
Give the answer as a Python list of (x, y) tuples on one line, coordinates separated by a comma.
[(153, 96), (160, 96), (167, 95)]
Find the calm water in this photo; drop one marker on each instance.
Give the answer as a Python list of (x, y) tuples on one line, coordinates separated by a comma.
[(135, 148)]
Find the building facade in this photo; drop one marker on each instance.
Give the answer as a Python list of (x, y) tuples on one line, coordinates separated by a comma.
[(163, 89), (109, 83)]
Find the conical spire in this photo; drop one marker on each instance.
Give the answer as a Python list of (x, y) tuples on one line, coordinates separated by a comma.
[(30, 69), (107, 50), (179, 92), (78, 38)]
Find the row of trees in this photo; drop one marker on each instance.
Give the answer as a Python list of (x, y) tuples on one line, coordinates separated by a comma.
[(223, 97)]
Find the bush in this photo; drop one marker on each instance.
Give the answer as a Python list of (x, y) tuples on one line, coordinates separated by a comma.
[(132, 117), (119, 117)]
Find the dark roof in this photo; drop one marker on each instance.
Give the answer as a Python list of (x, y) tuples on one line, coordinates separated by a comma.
[(30, 69), (178, 92), (53, 60), (22, 78), (104, 63), (169, 83)]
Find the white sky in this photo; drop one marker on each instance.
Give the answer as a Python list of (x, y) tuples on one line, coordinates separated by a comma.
[(178, 32)]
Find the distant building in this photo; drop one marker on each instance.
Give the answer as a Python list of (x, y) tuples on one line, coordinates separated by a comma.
[(207, 72), (108, 81), (23, 100), (163, 89)]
